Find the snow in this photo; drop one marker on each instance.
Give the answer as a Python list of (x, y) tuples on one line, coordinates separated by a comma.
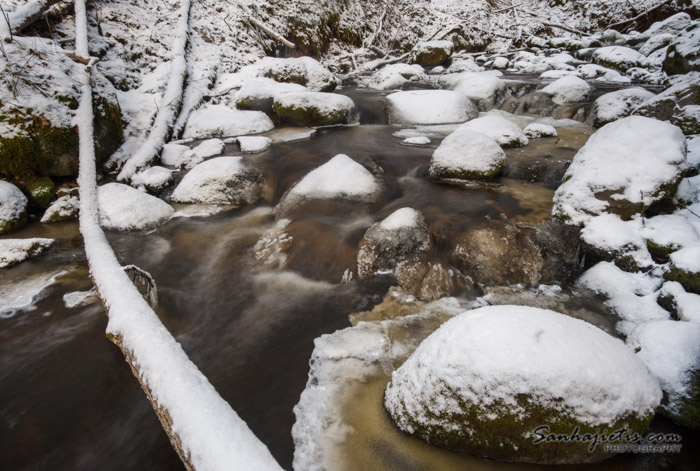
[(254, 144), (672, 25), (80, 298), (395, 75), (188, 158), (430, 107), (537, 130), (404, 217), (686, 303), (319, 102), (671, 351), (13, 251), (222, 180), (568, 89), (65, 207), (339, 178), (290, 134), (655, 42), (686, 44), (618, 104), (427, 46), (261, 91), (316, 76), (670, 230), (687, 258), (601, 74), (172, 154), (613, 235), (483, 88), (13, 203), (498, 128), (222, 121), (657, 149), (21, 293), (123, 208), (466, 150), (459, 65), (500, 63), (416, 141), (153, 178), (500, 353), (618, 56)]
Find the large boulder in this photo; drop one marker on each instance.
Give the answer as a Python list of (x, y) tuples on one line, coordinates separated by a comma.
[(684, 90), (63, 209), (618, 57), (568, 89), (14, 251), (400, 237), (431, 53), (221, 180), (467, 155), (504, 132), (674, 24), (314, 108), (430, 107), (222, 121), (547, 253), (395, 75), (13, 207), (485, 89), (498, 380), (123, 208), (305, 71), (618, 104), (602, 179), (258, 93), (683, 53), (655, 43), (671, 351)]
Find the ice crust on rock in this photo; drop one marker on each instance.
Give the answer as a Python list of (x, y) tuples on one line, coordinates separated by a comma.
[(498, 128), (467, 154), (221, 180), (123, 208), (222, 121), (430, 107), (603, 165)]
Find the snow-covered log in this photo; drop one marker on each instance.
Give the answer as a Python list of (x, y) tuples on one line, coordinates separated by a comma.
[(206, 433), (14, 22), (272, 34), (170, 104)]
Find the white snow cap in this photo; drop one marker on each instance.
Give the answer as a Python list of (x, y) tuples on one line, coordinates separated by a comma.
[(632, 157), (404, 217), (14, 251), (222, 121), (623, 57), (254, 144), (395, 75), (12, 202), (498, 128), (221, 180), (568, 89), (484, 88), (123, 208), (498, 353), (430, 107), (687, 259), (466, 151), (618, 104), (536, 130)]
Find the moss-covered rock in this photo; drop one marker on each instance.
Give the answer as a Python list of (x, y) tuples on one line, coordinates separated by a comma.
[(41, 192), (431, 53), (689, 280), (467, 155), (687, 411), (314, 109), (688, 119), (13, 207)]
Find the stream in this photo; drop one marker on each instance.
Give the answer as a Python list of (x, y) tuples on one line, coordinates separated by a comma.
[(68, 399)]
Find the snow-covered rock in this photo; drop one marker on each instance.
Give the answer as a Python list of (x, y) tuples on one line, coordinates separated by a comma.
[(221, 180), (416, 141), (498, 128), (601, 179), (222, 121), (305, 71), (462, 64), (683, 53), (431, 53), (401, 236), (314, 108), (502, 371), (601, 74), (672, 25), (685, 268), (537, 130), (340, 178), (395, 75), (684, 90), (469, 155), (655, 42), (568, 89), (618, 57), (64, 208), (483, 88), (671, 351), (430, 107), (678, 301), (123, 208), (254, 144), (258, 93), (173, 153), (13, 207), (618, 104), (154, 179), (500, 63), (14, 251)]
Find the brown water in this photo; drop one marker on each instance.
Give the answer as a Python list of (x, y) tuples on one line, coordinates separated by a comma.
[(68, 400)]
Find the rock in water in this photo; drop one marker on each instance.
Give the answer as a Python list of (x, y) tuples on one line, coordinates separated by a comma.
[(618, 57), (615, 105), (430, 107), (13, 207), (221, 180), (487, 379), (568, 89), (402, 236), (485, 89), (123, 208), (222, 121), (305, 71), (314, 108), (258, 93), (432, 53), (467, 155), (602, 179), (13, 251), (395, 75), (498, 128)]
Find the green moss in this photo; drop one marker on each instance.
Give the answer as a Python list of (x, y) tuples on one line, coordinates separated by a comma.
[(501, 433), (109, 127), (689, 280), (659, 252), (688, 411), (13, 224), (41, 192), (441, 173), (310, 116)]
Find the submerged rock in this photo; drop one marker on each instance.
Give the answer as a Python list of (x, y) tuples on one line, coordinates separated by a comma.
[(13, 207), (431, 53), (601, 179), (430, 107), (221, 180), (618, 104), (123, 208), (498, 128), (314, 108), (547, 253), (14, 251), (467, 155), (487, 379)]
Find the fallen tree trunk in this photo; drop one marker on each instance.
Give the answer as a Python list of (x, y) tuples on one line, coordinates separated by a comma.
[(272, 34), (24, 16), (638, 17)]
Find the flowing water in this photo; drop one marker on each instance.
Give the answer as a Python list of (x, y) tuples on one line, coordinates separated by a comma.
[(67, 397)]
